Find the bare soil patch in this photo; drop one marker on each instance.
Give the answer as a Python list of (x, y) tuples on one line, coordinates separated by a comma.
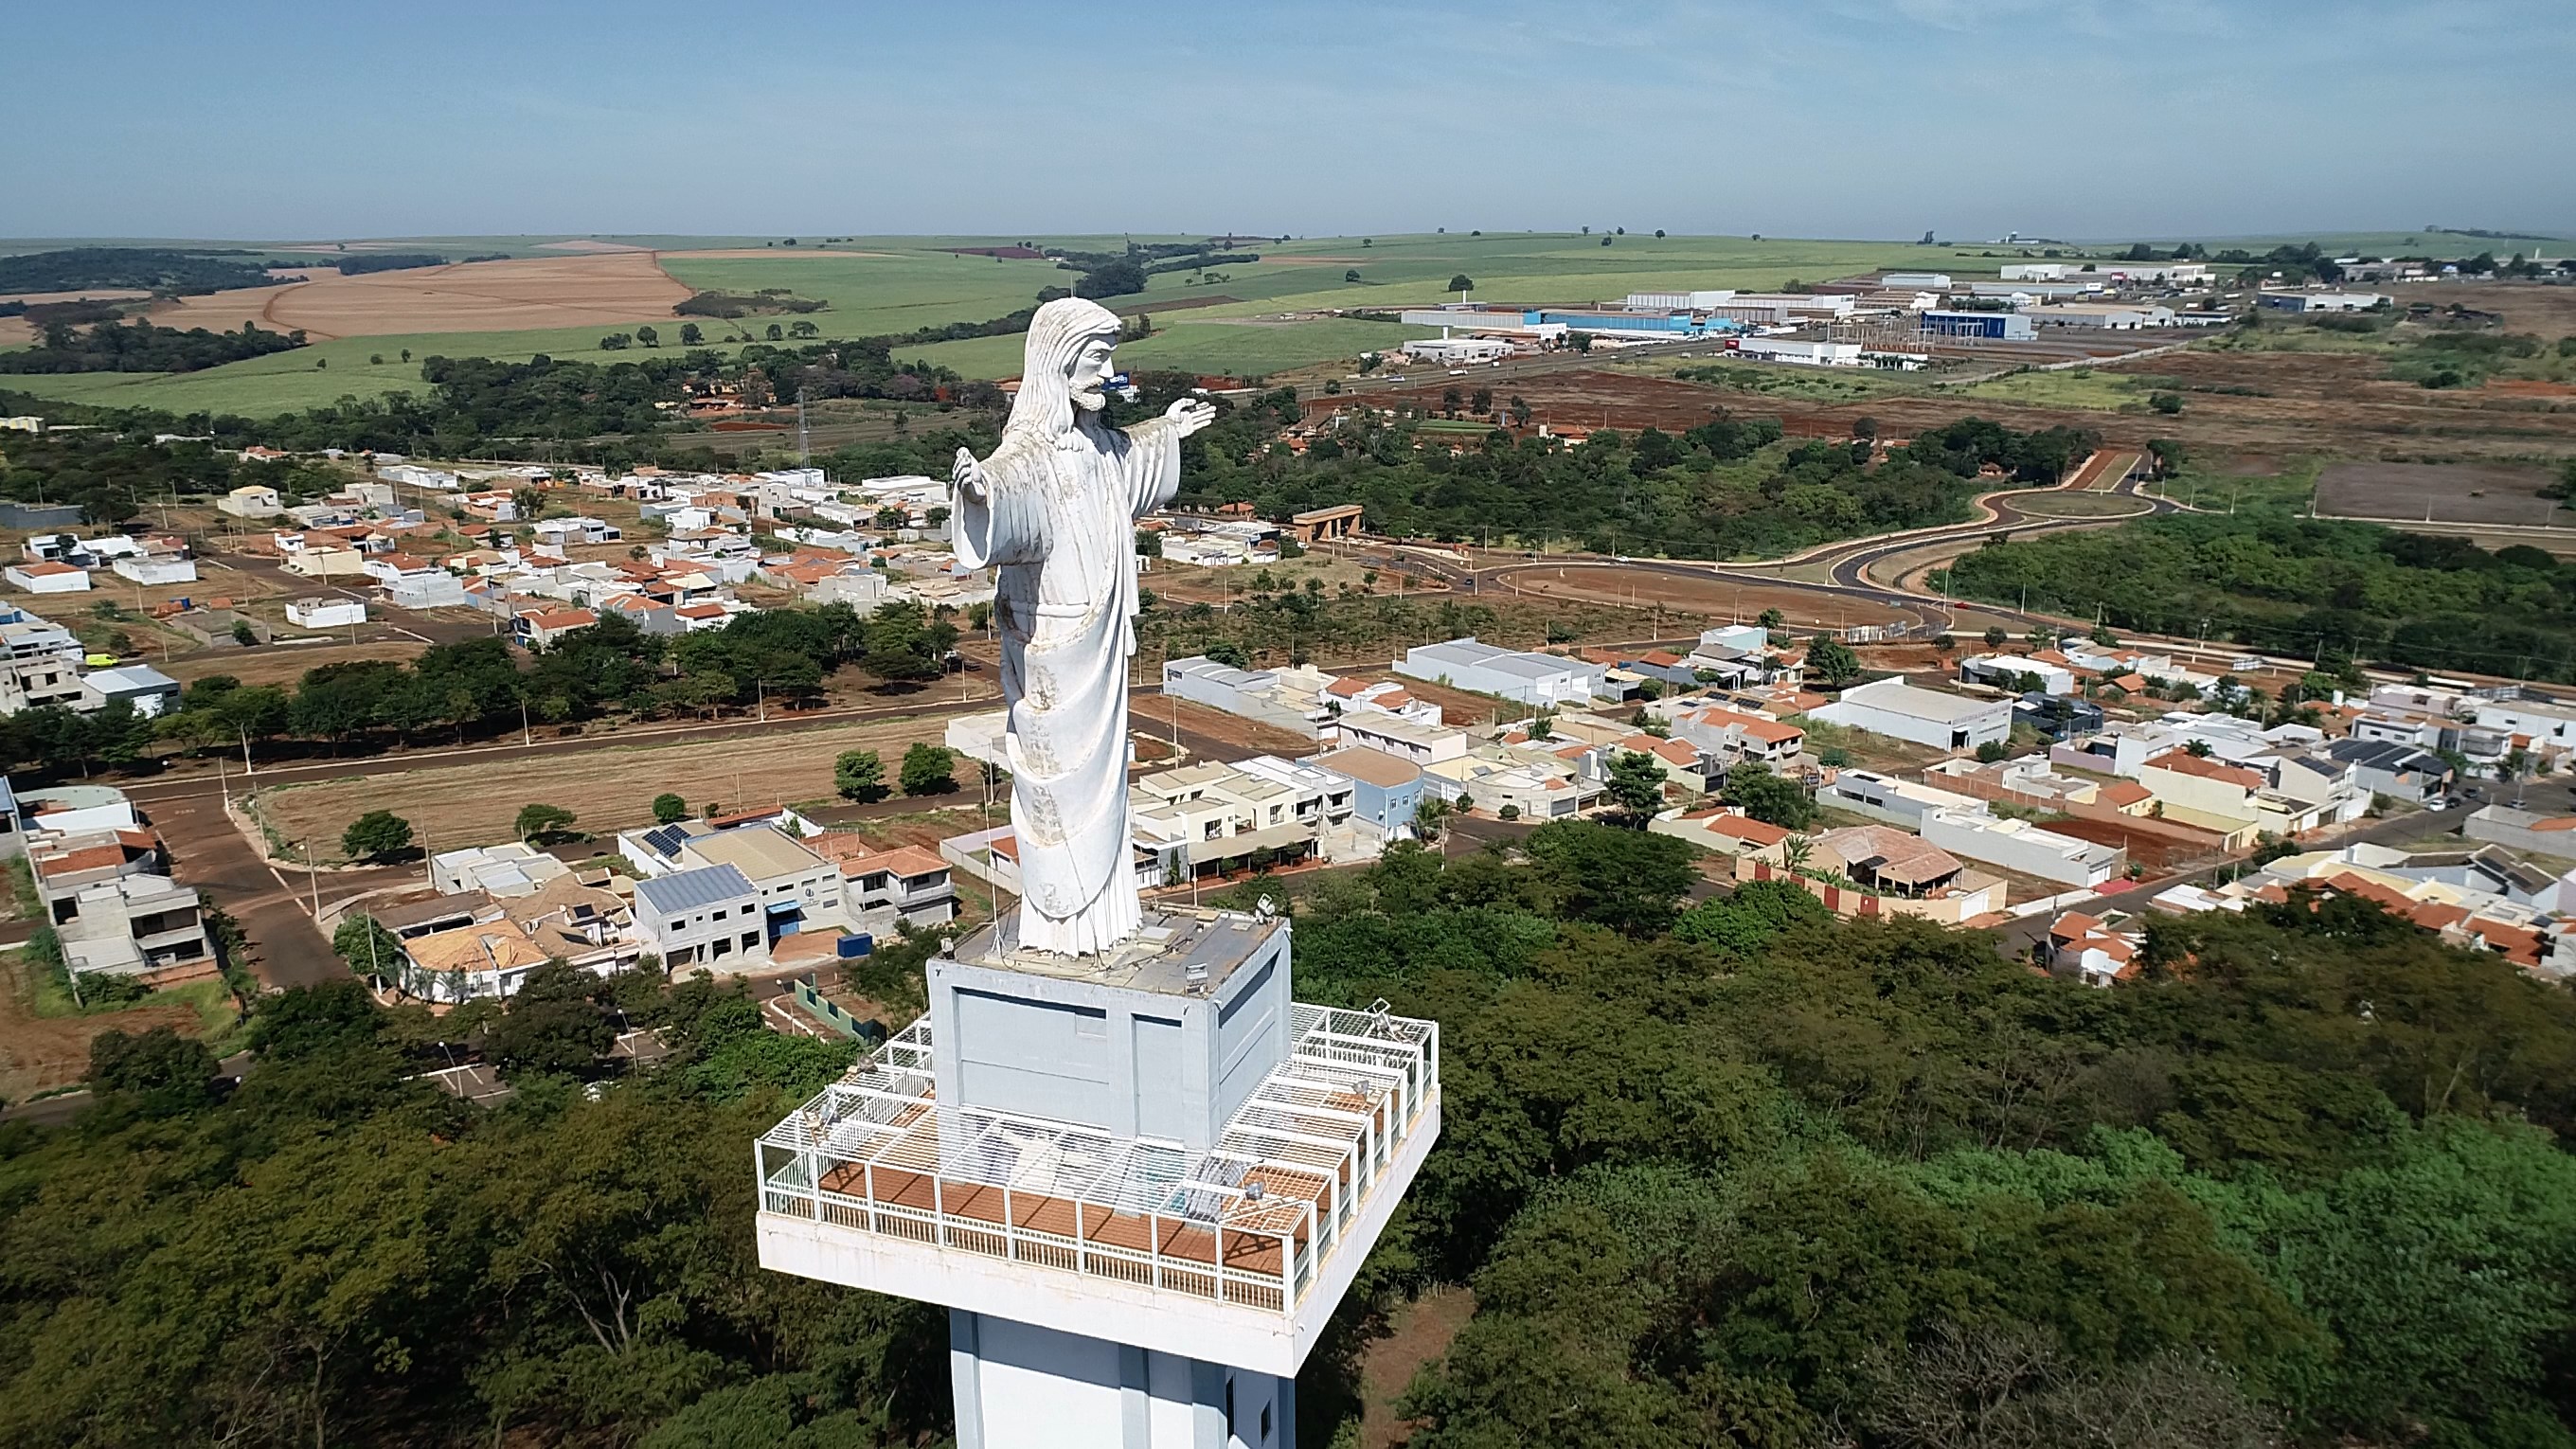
[(84, 294), (38, 1053), (1683, 593), (1157, 717), (530, 292), (585, 244), (1419, 1332), (286, 665), (2442, 492), (610, 788)]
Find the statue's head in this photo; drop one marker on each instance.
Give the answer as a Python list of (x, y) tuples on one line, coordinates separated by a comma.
[(1067, 364)]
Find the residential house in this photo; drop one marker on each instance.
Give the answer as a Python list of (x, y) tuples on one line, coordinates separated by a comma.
[(708, 917), (1424, 745), (2399, 772), (2015, 673), (1727, 831), (544, 628), (326, 612), (1385, 788), (1732, 735), (2527, 830), (252, 501), (2094, 949), (2022, 847), (40, 662), (885, 890), (1898, 802), (47, 578), (504, 872), (1878, 870), (150, 692), (486, 959)]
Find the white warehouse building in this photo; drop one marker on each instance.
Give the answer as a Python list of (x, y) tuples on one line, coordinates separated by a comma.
[(1902, 711), (1513, 674)]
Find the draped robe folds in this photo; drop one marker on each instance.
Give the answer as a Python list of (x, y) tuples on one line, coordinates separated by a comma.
[(1058, 527)]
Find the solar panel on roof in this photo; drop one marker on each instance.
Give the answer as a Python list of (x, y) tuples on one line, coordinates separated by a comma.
[(665, 839)]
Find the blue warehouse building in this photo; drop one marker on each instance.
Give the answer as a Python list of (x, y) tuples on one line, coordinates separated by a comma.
[(1997, 326), (1673, 324)]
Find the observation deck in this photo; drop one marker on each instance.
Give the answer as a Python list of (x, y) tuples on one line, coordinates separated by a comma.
[(1236, 1252)]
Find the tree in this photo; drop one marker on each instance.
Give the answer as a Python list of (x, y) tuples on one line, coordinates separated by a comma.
[(1772, 619), (1627, 880), (1636, 783), (538, 820), (691, 334), (1989, 751), (648, 336), (669, 809), (859, 775), (2167, 403), (1462, 283), (376, 835), (1832, 660), (368, 948), (929, 770), (902, 643), (1430, 816), (1769, 798), (1995, 636), (1352, 275), (1481, 402), (243, 634), (159, 1072), (552, 1025)]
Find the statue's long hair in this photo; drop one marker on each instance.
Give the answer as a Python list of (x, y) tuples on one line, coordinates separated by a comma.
[(1044, 406)]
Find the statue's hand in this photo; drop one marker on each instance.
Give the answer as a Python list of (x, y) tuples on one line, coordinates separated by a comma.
[(966, 478), (1192, 413)]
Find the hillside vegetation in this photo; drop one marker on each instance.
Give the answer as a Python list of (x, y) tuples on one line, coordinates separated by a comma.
[(1732, 1174)]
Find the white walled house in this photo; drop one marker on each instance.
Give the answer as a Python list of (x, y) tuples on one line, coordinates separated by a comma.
[(2019, 846), (47, 578), (161, 570), (326, 613)]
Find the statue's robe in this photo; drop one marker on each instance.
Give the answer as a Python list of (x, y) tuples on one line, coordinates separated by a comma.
[(1058, 527)]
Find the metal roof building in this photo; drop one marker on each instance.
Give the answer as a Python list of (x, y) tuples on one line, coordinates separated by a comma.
[(691, 890)]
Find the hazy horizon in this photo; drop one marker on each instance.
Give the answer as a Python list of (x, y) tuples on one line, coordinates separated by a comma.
[(1848, 118)]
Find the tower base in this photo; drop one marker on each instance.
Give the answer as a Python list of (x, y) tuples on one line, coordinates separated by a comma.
[(1020, 1386)]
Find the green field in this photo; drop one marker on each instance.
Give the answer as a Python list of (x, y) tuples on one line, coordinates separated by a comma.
[(913, 284)]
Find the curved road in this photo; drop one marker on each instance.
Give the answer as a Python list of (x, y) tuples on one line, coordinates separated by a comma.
[(1849, 566)]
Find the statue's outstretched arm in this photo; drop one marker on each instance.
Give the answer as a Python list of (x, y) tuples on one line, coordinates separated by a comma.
[(967, 479)]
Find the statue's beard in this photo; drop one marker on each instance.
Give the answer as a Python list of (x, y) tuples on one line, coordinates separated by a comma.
[(1091, 401)]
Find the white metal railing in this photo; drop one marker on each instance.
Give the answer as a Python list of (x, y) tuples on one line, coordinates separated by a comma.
[(1284, 1183)]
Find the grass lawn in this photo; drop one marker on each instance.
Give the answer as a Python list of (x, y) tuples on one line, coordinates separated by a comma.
[(896, 284), (2073, 388), (1239, 348)]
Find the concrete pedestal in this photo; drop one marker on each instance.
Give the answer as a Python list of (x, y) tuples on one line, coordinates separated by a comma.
[(1019, 1386)]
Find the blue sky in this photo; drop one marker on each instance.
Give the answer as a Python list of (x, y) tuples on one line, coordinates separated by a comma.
[(2080, 118)]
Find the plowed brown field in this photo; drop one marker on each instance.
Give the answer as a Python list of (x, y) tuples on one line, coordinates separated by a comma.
[(532, 292)]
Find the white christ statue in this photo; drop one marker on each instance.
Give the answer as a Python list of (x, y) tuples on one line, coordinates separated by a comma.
[(1054, 512)]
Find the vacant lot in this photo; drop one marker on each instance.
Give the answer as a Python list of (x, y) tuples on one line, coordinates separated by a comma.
[(274, 665), (38, 1053), (2439, 492), (610, 789), (1691, 593)]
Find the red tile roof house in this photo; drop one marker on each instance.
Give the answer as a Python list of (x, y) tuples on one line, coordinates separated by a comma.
[(540, 629)]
